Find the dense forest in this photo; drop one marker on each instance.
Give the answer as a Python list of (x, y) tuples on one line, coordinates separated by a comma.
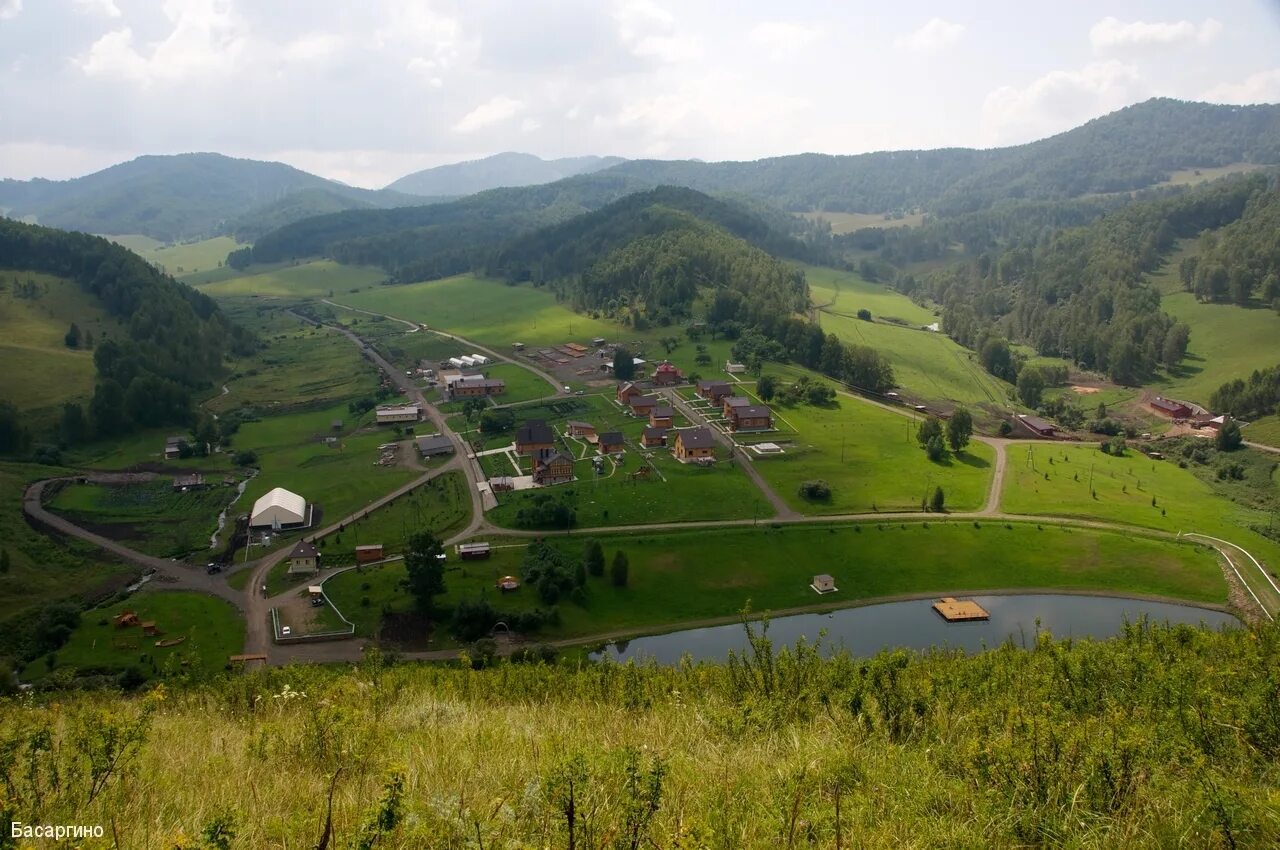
[(1082, 293), (177, 337), (1130, 149), (493, 172), (1241, 261), (1249, 399)]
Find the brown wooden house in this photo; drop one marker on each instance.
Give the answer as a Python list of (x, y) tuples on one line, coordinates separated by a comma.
[(661, 416), (750, 417), (610, 442), (551, 466), (731, 401), (714, 390), (626, 392), (692, 444), (653, 436), (666, 375), (533, 436), (581, 429), (642, 404)]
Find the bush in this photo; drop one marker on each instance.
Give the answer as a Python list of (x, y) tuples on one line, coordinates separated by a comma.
[(247, 457), (864, 314), (816, 491)]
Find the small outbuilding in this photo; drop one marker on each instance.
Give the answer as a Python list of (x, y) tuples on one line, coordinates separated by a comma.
[(823, 584), (434, 445), (398, 413), (369, 553), (1039, 427), (479, 551)]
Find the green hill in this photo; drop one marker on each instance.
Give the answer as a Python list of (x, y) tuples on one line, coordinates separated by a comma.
[(177, 198), (1165, 736), (493, 172)]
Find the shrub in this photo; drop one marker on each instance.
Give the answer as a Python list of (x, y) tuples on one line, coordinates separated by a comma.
[(817, 490)]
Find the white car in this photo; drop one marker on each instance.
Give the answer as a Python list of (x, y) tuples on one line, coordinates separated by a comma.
[(285, 631)]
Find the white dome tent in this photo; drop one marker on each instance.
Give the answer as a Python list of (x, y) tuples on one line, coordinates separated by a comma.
[(279, 509)]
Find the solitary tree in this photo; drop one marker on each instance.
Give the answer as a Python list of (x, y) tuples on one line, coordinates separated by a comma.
[(580, 574), (619, 570), (938, 503), (624, 367), (1229, 438), (1030, 387), (72, 338), (4, 560), (929, 430), (864, 314), (959, 429), (766, 387), (425, 570), (593, 556)]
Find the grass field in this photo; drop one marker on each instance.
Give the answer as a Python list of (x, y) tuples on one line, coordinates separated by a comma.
[(441, 506), (1125, 489), (1192, 176), (685, 576), (137, 243), (1227, 341), (340, 479), (844, 222), (300, 364), (928, 366), (522, 385), (872, 461), (213, 630), (189, 258), (40, 372), (845, 293), (152, 517), (1265, 430), (316, 279)]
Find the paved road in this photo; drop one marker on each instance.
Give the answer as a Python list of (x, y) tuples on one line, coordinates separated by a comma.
[(546, 376), (781, 510)]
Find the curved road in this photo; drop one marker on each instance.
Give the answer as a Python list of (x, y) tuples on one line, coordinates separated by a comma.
[(258, 640)]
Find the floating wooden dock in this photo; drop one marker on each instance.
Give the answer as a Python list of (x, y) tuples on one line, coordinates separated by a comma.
[(960, 610)]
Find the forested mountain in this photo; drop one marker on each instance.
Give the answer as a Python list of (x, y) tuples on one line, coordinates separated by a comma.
[(177, 337), (497, 171), (1241, 261), (307, 203), (1081, 293), (1129, 149), (171, 198), (650, 253)]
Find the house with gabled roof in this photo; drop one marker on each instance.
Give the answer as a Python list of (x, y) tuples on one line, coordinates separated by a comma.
[(694, 444), (552, 466), (534, 436)]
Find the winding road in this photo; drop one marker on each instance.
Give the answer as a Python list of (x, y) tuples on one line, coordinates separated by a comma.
[(176, 575)]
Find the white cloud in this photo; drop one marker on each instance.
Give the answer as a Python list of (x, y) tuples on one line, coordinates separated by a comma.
[(1262, 87), (1113, 35), (649, 32), (935, 34), (780, 39), (1058, 101), (312, 47), (207, 39), (528, 125), (10, 9), (105, 8), (493, 111)]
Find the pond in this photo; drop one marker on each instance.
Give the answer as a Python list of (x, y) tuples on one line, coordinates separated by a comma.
[(915, 625)]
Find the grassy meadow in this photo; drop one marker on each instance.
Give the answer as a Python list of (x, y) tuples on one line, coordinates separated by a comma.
[(844, 293), (188, 258), (213, 631), (872, 461), (1132, 489), (1084, 741), (682, 577), (41, 372), (315, 279), (441, 506), (152, 517), (846, 222)]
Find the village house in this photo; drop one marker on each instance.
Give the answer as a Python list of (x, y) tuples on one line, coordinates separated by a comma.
[(305, 558), (714, 390), (368, 553), (626, 392), (173, 446), (394, 413), (551, 466), (732, 401), (611, 442), (1170, 407), (653, 436), (473, 551), (666, 375), (476, 386), (642, 404), (734, 368), (1038, 426), (753, 417), (694, 444), (661, 416), (533, 436), (581, 429)]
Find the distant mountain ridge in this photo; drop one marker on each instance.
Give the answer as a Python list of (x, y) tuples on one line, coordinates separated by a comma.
[(503, 170), (171, 198)]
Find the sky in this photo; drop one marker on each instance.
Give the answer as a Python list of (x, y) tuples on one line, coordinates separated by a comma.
[(365, 92)]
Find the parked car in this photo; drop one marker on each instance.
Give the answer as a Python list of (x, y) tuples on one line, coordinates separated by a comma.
[(285, 631)]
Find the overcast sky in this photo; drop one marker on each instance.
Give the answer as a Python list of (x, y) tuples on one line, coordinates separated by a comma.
[(367, 90)]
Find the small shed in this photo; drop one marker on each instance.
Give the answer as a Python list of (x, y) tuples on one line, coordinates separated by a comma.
[(315, 591), (823, 583), (125, 619), (336, 425), (150, 628), (508, 583), (369, 552), (474, 551)]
